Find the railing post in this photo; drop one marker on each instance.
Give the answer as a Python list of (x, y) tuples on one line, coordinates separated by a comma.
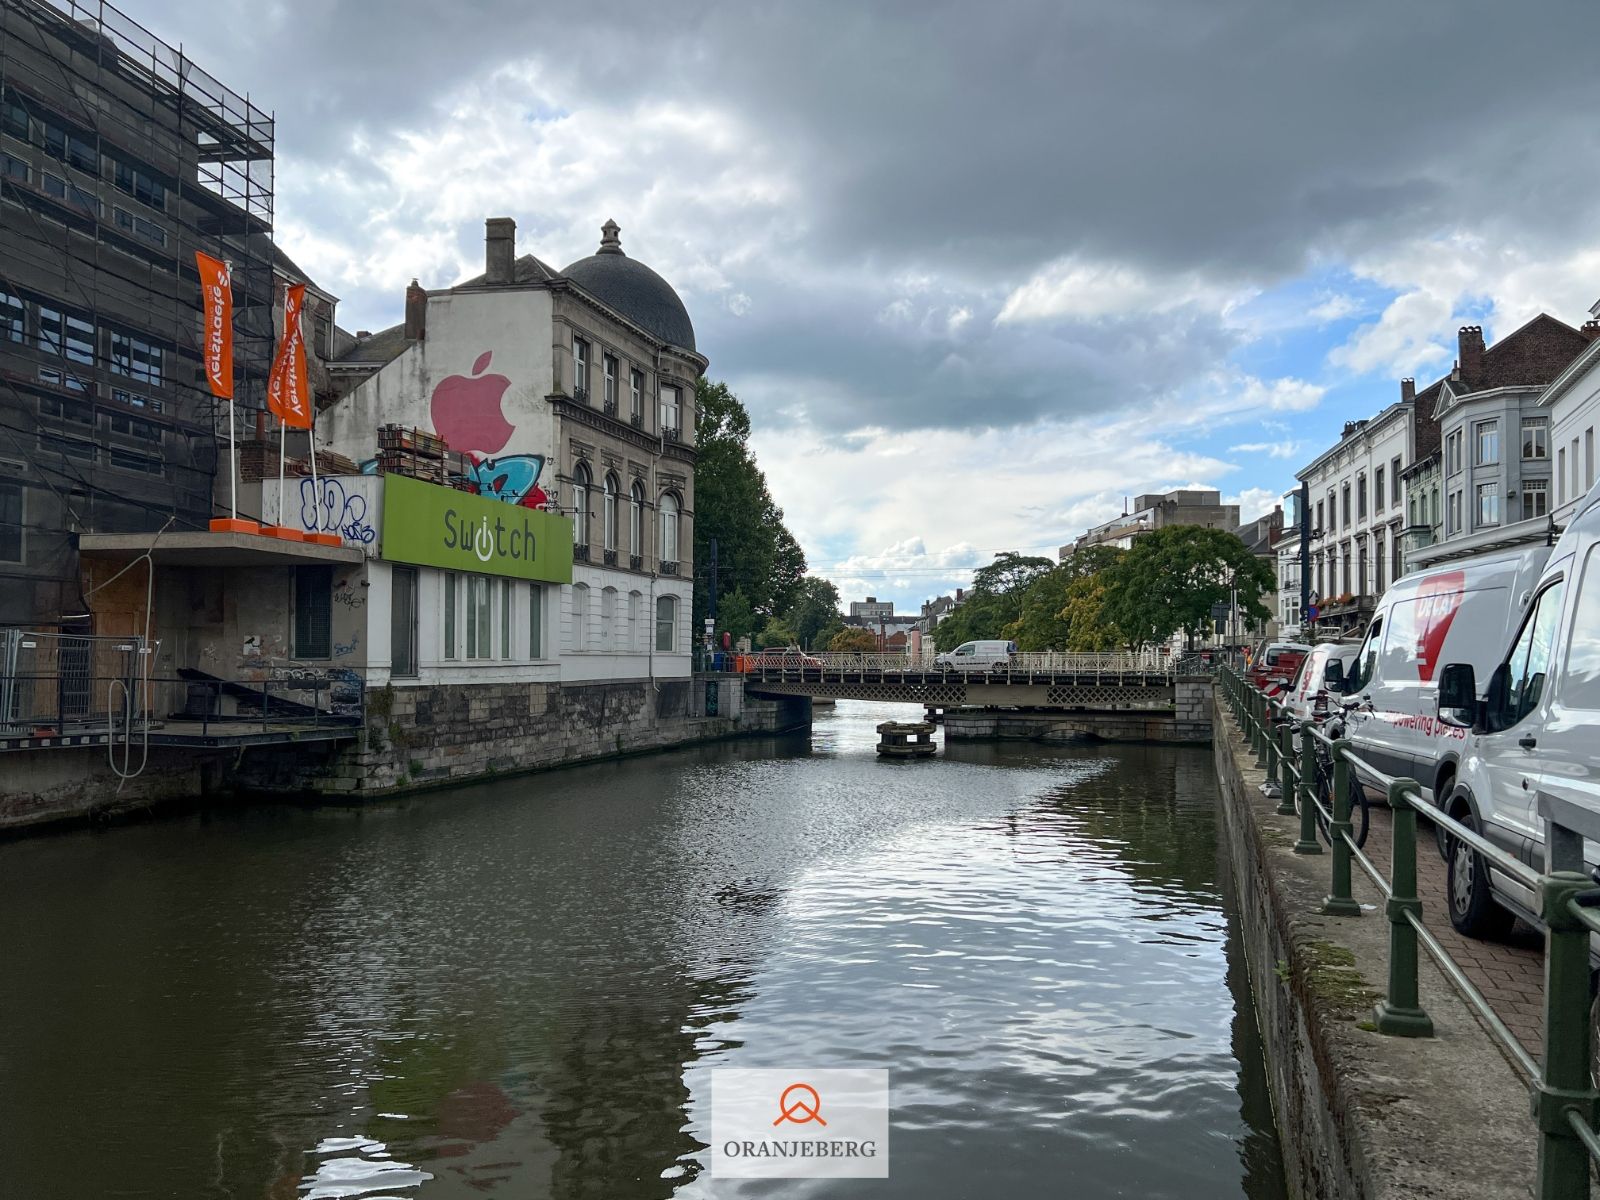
[(1304, 791), (1338, 902), (1270, 738), (1286, 775), (1260, 729), (1398, 1013), (1565, 1084)]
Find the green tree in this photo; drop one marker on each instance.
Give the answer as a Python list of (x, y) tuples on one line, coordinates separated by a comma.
[(853, 639), (1084, 612), (756, 553), (1172, 577), (814, 611), (995, 601), (1043, 622), (736, 616), (775, 632)]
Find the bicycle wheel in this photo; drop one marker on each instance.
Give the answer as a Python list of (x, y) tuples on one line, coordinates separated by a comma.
[(1360, 812)]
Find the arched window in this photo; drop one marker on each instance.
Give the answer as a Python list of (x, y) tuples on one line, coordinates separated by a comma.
[(608, 617), (609, 513), (669, 528), (581, 479), (635, 618), (666, 624), (636, 521), (580, 617)]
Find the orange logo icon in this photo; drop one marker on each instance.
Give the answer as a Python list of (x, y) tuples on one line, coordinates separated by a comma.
[(800, 1105)]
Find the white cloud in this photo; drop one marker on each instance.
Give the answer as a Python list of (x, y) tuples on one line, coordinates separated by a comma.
[(1254, 502), (1073, 288), (1270, 449)]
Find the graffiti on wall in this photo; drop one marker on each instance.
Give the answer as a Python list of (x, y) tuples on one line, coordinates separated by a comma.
[(325, 505)]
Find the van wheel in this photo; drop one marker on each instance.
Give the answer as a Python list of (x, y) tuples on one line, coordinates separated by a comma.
[(1473, 910)]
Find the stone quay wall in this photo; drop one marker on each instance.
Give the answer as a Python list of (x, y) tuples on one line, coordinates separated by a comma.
[(431, 736)]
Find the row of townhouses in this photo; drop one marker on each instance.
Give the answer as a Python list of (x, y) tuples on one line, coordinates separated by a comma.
[(485, 564), (1494, 453)]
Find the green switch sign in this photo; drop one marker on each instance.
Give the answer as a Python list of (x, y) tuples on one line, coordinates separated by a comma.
[(441, 527)]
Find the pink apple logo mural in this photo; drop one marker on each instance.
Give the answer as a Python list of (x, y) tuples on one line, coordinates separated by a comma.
[(466, 409)]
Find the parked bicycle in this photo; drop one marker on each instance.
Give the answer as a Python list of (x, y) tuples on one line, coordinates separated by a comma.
[(1360, 810)]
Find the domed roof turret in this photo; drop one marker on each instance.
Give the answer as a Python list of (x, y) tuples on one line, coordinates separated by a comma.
[(633, 289)]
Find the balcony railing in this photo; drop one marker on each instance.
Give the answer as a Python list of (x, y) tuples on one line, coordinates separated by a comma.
[(580, 394), (669, 568), (635, 562), (636, 420), (609, 408), (670, 435), (610, 558), (580, 552)]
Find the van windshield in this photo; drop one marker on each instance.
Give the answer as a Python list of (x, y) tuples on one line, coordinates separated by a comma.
[(1366, 659)]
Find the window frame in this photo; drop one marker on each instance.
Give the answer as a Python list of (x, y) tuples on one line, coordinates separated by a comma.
[(403, 665), (1519, 708), (666, 616), (668, 510), (12, 484), (1483, 431), (1489, 490), (1535, 438), (313, 598), (582, 481), (580, 365), (608, 512)]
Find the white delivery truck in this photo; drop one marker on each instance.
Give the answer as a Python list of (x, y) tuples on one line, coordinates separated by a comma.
[(1535, 728), (1461, 612)]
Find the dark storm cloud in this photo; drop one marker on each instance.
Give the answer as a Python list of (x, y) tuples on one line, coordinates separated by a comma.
[(1223, 140)]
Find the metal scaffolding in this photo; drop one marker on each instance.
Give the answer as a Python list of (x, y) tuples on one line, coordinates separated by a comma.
[(119, 158)]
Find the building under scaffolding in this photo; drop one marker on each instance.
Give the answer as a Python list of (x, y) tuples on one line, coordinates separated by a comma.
[(119, 158)]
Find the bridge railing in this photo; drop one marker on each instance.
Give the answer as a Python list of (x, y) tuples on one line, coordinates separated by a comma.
[(1018, 665), (1565, 1103)]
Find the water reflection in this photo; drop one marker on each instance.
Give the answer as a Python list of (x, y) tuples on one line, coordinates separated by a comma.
[(519, 989)]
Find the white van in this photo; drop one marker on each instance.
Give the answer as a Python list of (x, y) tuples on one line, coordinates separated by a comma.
[(1307, 697), (1460, 612), (1536, 728), (977, 656)]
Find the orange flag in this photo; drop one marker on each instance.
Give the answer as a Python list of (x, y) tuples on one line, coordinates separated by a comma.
[(216, 291), (288, 389)]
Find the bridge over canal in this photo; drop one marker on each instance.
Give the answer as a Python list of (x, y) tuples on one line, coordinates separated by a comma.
[(1139, 696)]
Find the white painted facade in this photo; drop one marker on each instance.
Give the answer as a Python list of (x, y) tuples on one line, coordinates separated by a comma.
[(1573, 401), (608, 624), (1357, 507)]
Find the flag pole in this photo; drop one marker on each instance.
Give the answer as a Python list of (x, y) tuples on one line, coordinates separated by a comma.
[(316, 490), (283, 443), (233, 449)]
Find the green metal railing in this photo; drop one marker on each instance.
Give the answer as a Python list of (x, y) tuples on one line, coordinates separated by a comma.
[(1564, 1098)]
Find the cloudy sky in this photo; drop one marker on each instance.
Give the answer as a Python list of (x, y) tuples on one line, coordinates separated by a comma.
[(978, 270)]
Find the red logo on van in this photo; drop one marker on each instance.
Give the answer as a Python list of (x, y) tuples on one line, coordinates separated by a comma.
[(1438, 600)]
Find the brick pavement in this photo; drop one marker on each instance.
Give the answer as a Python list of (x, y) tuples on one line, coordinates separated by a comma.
[(1510, 974)]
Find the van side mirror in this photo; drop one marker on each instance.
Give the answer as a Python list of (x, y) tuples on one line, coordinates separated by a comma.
[(1497, 701), (1333, 675), (1458, 695)]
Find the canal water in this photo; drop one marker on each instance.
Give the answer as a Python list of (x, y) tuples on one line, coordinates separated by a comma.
[(520, 989)]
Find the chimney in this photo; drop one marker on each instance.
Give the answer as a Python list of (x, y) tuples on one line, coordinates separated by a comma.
[(416, 313), (363, 334), (1591, 330), (1408, 390), (1471, 354), (500, 249), (959, 593)]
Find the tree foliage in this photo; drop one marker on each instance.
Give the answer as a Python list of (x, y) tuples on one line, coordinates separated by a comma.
[(854, 639), (1044, 622), (994, 602), (776, 632), (736, 616), (757, 555), (1089, 629), (1171, 579), (814, 612)]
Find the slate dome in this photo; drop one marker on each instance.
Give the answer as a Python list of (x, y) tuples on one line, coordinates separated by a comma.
[(633, 289)]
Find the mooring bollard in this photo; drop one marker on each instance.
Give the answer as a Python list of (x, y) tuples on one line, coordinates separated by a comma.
[(1339, 902), (1398, 1013), (1288, 776)]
